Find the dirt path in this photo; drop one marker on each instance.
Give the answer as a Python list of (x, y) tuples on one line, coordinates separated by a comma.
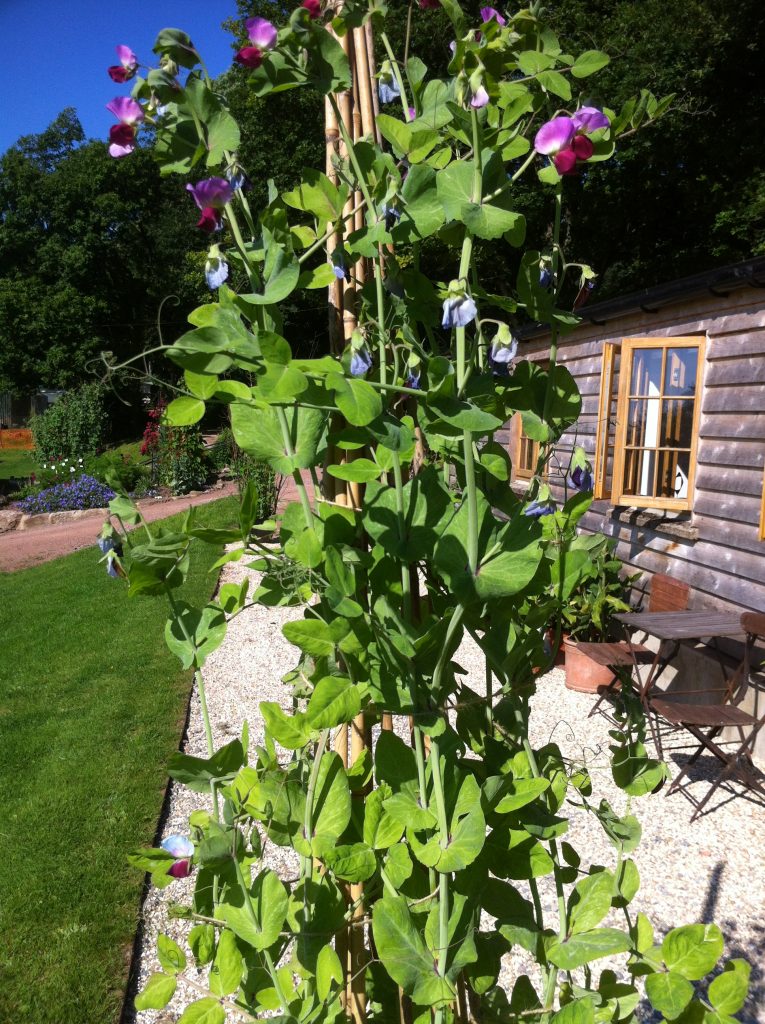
[(21, 548)]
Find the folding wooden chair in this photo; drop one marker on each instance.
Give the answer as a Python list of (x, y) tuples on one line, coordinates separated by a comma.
[(666, 595), (705, 722)]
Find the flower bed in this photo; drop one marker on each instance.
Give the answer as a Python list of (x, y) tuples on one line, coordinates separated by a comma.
[(83, 493)]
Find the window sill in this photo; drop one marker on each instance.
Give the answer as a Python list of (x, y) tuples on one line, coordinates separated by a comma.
[(670, 524)]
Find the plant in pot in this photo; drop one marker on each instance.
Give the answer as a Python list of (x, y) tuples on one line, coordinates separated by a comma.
[(588, 613)]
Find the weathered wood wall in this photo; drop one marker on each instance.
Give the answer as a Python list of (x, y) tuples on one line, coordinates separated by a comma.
[(722, 560)]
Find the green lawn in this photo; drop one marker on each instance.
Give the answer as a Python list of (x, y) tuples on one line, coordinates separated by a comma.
[(91, 707), (16, 462)]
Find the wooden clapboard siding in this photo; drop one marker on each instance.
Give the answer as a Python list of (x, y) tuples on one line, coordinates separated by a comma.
[(722, 559)]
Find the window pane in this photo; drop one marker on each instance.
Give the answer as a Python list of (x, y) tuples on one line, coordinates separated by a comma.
[(643, 422), (680, 372), (674, 467), (639, 468), (646, 371), (677, 423)]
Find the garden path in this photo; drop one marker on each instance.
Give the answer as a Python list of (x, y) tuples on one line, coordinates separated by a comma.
[(20, 549)]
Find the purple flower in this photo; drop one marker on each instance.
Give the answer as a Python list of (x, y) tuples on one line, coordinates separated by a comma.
[(182, 848), (412, 113), (361, 362), (459, 307), (545, 277), (487, 13), (589, 119), (339, 268), (554, 135), (392, 215), (537, 509), (412, 379), (211, 193), (430, 5), (127, 66), (121, 140), (313, 7), (261, 32), (237, 178), (126, 110), (479, 98), (581, 479)]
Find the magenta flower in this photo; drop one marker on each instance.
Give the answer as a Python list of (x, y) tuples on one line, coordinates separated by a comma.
[(126, 110), (487, 13), (210, 220), (127, 66), (313, 7), (249, 57), (554, 135), (565, 138), (121, 140), (211, 192), (261, 32), (429, 5)]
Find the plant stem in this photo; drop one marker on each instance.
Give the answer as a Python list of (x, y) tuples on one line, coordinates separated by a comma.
[(397, 73), (290, 451), (256, 924)]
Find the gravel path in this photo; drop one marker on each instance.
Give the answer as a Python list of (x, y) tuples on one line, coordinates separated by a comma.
[(712, 870)]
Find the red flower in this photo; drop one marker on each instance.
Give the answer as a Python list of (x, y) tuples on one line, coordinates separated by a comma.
[(429, 5), (249, 57), (313, 7), (122, 135), (119, 74), (210, 220)]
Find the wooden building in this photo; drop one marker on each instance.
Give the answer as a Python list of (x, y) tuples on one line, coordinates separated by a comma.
[(673, 421)]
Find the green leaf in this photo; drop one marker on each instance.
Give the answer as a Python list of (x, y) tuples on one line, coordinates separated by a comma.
[(332, 798), (582, 949), (358, 470), (580, 1012), (197, 773), (202, 943), (318, 277), (334, 700), (201, 385), (381, 830), (405, 956), (588, 63), (328, 969), (353, 863), (257, 431), (519, 792), (590, 901), (289, 731), (423, 212), (269, 903), (316, 637), (317, 195), (156, 993), (728, 991), (692, 950), (356, 399), (170, 955), (556, 83), (203, 1011), (669, 993), (226, 971), (195, 633)]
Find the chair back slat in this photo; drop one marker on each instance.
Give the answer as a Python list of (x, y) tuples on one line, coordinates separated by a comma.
[(753, 623), (667, 595)]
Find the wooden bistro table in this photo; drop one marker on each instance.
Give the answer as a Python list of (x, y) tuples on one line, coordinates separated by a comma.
[(675, 628)]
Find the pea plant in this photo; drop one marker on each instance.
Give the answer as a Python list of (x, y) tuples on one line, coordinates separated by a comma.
[(422, 857)]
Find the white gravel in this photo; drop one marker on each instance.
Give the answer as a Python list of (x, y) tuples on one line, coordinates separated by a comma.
[(711, 870)]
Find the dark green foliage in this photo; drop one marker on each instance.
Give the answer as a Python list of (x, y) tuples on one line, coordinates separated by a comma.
[(182, 460), (76, 425)]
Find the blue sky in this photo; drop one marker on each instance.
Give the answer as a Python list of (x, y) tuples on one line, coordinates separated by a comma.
[(55, 55)]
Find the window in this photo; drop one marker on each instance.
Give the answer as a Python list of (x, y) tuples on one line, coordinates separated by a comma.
[(645, 448), (526, 452)]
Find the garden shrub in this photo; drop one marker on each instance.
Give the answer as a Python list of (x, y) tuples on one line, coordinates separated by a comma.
[(181, 458), (74, 426)]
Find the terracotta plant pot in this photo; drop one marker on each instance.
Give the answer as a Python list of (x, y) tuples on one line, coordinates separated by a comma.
[(582, 673)]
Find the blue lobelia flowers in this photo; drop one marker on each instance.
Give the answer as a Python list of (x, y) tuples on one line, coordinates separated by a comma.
[(459, 307)]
